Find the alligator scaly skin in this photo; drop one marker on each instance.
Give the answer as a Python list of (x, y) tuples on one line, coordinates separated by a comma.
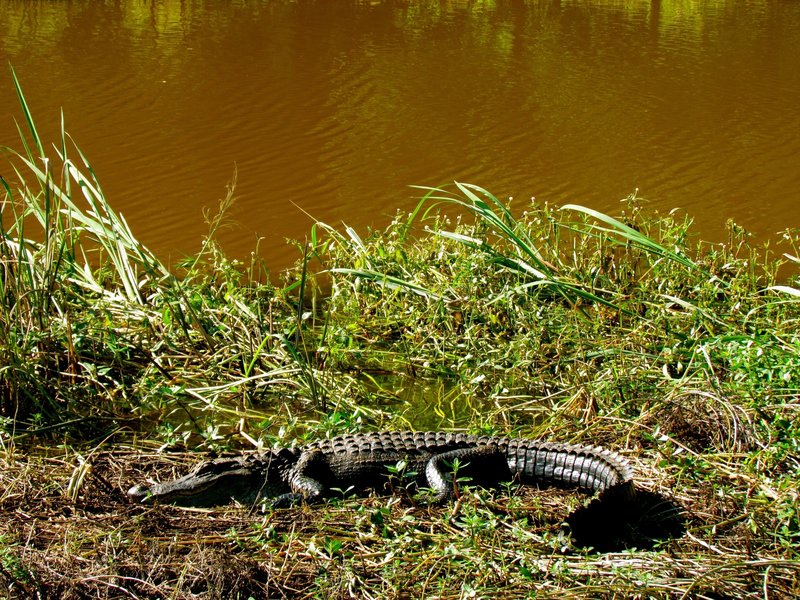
[(359, 462)]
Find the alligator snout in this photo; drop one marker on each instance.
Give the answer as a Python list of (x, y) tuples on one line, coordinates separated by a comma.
[(139, 492)]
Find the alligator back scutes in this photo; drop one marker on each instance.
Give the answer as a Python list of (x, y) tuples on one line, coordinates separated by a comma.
[(592, 468), (394, 441)]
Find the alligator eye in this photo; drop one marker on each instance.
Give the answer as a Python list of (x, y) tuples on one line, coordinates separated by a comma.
[(203, 468), (212, 467)]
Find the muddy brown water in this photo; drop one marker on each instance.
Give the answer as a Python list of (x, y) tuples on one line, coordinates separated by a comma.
[(335, 107)]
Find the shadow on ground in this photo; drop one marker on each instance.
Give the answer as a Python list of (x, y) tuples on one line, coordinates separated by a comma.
[(613, 526)]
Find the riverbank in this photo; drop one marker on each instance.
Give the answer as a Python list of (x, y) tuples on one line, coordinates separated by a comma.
[(557, 323)]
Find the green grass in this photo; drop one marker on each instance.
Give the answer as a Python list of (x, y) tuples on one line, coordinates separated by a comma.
[(563, 323)]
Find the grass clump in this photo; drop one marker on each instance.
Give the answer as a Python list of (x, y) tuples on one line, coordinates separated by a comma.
[(566, 324), (97, 335)]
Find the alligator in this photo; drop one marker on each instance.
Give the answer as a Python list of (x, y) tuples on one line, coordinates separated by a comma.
[(359, 462)]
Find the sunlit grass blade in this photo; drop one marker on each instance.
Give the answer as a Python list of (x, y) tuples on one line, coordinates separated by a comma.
[(513, 249), (785, 289), (388, 281), (693, 308), (491, 212), (28, 118), (630, 235)]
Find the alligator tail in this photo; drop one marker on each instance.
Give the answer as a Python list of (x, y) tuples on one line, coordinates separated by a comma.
[(590, 468)]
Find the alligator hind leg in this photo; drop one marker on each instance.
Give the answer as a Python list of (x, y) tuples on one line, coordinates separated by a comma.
[(484, 465)]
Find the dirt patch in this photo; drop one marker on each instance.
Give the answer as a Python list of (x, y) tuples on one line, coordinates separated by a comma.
[(58, 542)]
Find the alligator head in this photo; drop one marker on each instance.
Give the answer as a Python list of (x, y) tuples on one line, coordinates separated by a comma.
[(244, 479)]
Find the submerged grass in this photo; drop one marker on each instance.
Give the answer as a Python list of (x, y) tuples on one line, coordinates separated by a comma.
[(560, 323)]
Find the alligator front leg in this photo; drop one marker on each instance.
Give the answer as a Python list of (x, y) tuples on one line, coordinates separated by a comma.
[(305, 487), (484, 465)]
